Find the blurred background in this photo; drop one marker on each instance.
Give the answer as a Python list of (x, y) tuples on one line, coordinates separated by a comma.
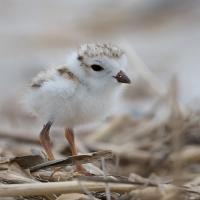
[(164, 34), (161, 38)]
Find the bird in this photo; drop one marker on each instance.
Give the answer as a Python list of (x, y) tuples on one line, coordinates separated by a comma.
[(83, 90)]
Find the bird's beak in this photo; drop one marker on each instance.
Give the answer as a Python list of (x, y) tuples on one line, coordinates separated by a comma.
[(121, 77)]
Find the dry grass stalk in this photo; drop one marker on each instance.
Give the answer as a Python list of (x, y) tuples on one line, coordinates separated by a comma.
[(15, 190), (71, 160), (75, 196)]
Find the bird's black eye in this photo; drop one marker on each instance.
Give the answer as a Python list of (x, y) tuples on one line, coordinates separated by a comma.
[(96, 67)]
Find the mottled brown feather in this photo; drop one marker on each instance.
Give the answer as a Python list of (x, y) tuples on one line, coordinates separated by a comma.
[(48, 75), (38, 81), (66, 73)]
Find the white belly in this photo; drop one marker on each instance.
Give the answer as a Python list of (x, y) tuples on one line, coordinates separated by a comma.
[(80, 110), (69, 111)]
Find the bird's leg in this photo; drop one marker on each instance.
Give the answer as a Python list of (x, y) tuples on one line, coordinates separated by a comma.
[(69, 135), (45, 140)]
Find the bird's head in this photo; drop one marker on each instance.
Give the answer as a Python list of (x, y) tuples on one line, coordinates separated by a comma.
[(102, 65)]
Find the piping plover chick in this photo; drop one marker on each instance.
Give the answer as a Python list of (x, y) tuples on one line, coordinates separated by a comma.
[(83, 90)]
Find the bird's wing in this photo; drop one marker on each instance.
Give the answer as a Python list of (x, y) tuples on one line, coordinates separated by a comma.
[(52, 74)]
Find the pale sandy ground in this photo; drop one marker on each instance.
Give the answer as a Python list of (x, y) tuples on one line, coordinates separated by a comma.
[(35, 34)]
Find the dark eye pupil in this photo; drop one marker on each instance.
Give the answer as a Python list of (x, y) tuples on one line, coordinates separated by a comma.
[(97, 67)]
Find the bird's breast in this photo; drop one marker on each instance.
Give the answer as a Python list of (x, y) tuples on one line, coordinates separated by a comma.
[(87, 107)]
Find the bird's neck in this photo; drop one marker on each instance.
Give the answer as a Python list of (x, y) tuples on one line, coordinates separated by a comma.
[(73, 65)]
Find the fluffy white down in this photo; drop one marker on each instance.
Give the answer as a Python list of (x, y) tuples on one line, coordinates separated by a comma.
[(68, 103)]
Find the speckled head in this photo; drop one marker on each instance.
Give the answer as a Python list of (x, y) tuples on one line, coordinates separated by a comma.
[(97, 50), (103, 61)]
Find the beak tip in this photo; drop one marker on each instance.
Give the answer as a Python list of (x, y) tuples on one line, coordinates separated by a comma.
[(129, 81), (121, 77)]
